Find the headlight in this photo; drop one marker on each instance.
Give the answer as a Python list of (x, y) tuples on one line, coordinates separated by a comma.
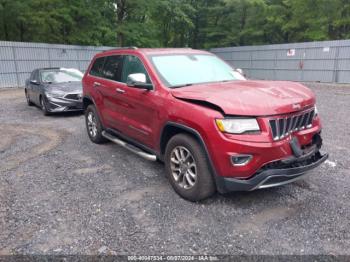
[(237, 125), (54, 94)]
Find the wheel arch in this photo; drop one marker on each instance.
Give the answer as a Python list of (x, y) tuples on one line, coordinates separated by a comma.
[(171, 129), (87, 101)]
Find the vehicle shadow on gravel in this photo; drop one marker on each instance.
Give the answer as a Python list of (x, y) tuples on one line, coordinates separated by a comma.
[(67, 114), (59, 114), (246, 199)]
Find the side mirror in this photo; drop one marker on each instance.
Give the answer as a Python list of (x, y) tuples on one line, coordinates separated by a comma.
[(34, 82), (138, 80)]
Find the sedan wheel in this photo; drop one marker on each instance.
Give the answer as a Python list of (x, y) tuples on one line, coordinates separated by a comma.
[(43, 107), (27, 98)]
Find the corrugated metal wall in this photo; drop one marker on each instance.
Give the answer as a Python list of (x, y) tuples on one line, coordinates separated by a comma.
[(17, 59), (327, 61)]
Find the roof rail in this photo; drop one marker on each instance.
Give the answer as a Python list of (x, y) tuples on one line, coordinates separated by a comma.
[(121, 48)]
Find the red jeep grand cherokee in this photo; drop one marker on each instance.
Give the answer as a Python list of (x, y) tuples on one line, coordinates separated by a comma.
[(213, 129)]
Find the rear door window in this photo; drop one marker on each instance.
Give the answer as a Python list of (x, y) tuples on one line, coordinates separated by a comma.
[(32, 75), (112, 67), (36, 76), (96, 68)]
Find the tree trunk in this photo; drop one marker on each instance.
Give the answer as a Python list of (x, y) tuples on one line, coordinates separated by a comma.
[(242, 24), (6, 32), (21, 31), (121, 14)]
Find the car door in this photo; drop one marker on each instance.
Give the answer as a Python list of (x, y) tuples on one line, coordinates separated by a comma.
[(29, 86), (33, 87), (108, 85), (37, 88), (139, 105)]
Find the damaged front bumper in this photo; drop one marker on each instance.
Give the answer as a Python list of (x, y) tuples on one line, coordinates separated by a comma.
[(62, 104), (273, 176)]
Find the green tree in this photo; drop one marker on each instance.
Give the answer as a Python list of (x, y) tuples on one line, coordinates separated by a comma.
[(173, 23)]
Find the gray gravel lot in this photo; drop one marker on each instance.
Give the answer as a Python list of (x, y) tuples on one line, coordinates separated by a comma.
[(62, 194)]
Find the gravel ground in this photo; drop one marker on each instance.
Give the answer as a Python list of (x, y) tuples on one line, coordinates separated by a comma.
[(62, 194)]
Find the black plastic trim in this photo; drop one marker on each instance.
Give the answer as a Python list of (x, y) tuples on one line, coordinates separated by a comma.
[(287, 175)]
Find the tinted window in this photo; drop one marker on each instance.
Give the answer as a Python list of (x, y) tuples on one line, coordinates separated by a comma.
[(32, 75), (112, 67), (36, 75), (133, 65), (96, 68)]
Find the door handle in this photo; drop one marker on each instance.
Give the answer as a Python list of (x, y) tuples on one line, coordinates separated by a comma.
[(121, 91), (97, 84)]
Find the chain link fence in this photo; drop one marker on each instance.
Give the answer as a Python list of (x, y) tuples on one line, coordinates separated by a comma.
[(327, 61)]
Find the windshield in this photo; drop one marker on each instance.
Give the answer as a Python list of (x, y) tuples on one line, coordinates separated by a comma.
[(186, 69), (61, 75)]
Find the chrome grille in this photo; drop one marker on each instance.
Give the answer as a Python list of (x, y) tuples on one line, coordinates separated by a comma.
[(284, 126)]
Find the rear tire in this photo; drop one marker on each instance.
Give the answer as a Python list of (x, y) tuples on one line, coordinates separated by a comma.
[(187, 168), (29, 103), (93, 125), (43, 106)]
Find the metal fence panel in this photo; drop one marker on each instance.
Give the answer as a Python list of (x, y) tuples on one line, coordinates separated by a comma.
[(343, 77), (6, 53), (18, 59), (327, 61)]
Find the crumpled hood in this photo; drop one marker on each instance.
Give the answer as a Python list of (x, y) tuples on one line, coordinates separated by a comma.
[(67, 87), (250, 98)]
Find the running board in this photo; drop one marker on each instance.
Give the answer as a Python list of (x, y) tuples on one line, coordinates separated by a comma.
[(130, 147)]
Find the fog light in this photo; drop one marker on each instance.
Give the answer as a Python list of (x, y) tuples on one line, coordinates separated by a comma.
[(241, 160)]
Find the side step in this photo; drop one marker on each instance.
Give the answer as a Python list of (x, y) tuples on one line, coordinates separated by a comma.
[(130, 147)]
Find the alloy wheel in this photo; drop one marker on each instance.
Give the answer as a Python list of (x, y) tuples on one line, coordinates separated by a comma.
[(92, 125), (43, 106), (183, 167)]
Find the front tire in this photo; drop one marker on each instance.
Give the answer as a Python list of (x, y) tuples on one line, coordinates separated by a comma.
[(44, 106), (93, 125), (187, 168), (29, 103)]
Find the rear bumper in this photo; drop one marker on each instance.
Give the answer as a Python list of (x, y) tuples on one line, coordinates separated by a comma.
[(57, 105), (270, 177)]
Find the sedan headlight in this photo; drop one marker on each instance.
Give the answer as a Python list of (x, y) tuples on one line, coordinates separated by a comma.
[(54, 94), (237, 125)]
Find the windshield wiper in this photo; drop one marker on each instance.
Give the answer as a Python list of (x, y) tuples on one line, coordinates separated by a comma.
[(178, 86)]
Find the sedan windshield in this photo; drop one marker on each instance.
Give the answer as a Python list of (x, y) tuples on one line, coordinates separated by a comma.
[(61, 75), (187, 69)]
